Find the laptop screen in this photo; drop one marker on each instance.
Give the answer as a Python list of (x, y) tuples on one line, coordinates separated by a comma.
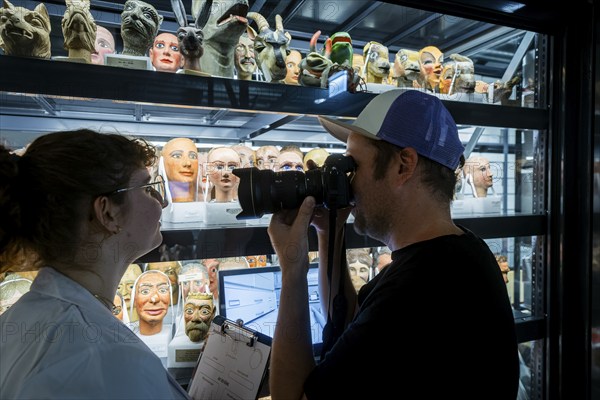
[(252, 295)]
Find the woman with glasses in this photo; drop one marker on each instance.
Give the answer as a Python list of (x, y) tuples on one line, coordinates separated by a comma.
[(84, 204)]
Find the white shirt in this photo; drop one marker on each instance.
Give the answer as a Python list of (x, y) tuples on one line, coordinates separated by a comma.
[(59, 342)]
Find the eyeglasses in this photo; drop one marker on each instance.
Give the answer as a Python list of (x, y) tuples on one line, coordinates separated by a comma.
[(155, 189), (220, 167)]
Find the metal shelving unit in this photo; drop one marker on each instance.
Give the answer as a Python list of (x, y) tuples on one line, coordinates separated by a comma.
[(37, 96)]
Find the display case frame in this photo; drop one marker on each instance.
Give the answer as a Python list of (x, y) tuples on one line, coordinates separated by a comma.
[(548, 219)]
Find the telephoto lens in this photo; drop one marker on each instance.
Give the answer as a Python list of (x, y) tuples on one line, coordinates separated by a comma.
[(263, 191)]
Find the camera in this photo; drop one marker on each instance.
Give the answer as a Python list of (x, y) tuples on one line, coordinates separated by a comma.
[(265, 191)]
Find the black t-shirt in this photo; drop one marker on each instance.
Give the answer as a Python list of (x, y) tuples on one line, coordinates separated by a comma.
[(436, 323)]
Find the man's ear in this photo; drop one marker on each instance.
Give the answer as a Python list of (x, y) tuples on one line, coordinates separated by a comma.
[(105, 212), (407, 163)]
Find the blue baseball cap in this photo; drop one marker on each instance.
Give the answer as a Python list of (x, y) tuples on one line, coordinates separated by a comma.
[(406, 118)]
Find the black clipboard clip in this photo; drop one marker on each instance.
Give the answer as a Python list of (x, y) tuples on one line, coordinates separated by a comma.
[(223, 347), (238, 333)]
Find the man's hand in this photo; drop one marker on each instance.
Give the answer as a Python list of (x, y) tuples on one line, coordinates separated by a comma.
[(320, 219), (288, 232)]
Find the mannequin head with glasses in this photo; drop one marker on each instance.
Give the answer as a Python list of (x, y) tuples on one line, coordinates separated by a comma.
[(86, 185), (171, 269), (220, 164), (266, 157), (244, 60), (247, 155)]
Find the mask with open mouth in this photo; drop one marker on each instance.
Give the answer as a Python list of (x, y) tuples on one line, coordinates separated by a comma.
[(226, 23), (23, 32)]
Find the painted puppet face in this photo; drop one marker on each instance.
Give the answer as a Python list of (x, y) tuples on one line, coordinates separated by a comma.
[(164, 53), (292, 63), (431, 59)]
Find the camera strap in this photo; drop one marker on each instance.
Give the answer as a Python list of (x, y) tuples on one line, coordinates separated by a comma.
[(337, 316)]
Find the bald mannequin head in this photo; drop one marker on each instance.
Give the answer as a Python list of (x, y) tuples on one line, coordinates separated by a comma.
[(290, 158), (104, 44), (479, 175), (180, 157), (317, 155), (221, 162), (152, 294), (266, 156)]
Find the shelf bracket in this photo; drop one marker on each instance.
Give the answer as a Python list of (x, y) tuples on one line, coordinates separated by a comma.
[(45, 104), (473, 141), (214, 118), (137, 113), (264, 123)]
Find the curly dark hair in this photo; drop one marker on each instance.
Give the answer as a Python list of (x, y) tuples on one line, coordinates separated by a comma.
[(46, 194)]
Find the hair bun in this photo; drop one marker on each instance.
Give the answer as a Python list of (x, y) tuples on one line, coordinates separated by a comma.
[(10, 222), (8, 163)]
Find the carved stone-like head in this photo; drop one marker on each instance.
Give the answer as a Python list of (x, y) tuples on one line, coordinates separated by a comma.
[(24, 32), (79, 27), (139, 25)]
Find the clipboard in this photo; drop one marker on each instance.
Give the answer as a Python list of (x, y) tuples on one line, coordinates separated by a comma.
[(233, 364)]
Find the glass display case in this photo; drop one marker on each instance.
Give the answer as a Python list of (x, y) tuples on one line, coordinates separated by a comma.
[(504, 123)]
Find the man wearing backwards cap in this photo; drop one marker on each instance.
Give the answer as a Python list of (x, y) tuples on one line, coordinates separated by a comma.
[(438, 317)]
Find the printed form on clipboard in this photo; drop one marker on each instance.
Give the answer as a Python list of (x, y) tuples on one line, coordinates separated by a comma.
[(233, 364)]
